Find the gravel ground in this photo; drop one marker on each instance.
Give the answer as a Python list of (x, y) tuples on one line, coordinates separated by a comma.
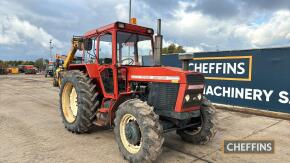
[(31, 131)]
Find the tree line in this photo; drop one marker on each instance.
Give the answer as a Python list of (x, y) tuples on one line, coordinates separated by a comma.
[(40, 63), (172, 48)]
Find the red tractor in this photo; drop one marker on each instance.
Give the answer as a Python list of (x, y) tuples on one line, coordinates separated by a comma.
[(113, 87)]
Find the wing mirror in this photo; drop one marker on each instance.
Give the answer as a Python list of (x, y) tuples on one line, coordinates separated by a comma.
[(88, 44)]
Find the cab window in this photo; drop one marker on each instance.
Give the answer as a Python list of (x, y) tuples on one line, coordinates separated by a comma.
[(105, 49), (131, 48)]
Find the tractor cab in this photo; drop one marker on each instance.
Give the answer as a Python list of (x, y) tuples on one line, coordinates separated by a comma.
[(113, 49)]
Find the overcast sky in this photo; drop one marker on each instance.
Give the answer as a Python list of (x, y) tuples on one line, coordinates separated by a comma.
[(26, 26)]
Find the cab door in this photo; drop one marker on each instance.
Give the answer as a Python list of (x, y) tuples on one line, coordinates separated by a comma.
[(106, 64)]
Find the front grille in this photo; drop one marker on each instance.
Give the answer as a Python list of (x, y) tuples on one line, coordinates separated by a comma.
[(193, 100), (195, 78), (163, 96)]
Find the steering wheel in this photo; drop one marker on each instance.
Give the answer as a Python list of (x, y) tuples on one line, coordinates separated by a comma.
[(131, 60)]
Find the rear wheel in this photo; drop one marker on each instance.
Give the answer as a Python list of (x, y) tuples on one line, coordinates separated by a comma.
[(78, 101), (204, 133), (138, 132)]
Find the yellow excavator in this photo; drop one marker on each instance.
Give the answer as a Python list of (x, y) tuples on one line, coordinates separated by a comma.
[(77, 44)]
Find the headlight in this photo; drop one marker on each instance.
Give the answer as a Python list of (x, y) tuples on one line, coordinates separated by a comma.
[(187, 97), (121, 25), (150, 31), (199, 96)]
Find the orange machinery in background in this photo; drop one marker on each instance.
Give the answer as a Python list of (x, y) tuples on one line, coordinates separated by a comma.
[(13, 70)]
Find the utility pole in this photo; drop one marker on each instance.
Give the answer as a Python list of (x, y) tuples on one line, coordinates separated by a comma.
[(129, 11), (50, 48), (130, 3)]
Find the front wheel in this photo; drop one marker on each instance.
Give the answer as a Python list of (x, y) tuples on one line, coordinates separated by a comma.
[(206, 131), (78, 101), (138, 131)]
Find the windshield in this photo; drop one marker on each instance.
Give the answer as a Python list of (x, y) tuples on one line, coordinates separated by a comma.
[(132, 48)]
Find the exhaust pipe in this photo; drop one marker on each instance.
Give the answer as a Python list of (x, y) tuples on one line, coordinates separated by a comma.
[(158, 44), (185, 59)]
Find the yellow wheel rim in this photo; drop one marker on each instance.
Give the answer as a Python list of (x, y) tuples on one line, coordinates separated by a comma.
[(129, 147), (69, 102)]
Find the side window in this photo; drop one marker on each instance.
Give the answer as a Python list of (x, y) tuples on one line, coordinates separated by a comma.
[(105, 49)]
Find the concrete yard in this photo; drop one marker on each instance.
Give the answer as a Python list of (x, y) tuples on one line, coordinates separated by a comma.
[(31, 130)]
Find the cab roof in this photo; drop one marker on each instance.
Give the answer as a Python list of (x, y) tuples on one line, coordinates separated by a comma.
[(116, 25)]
